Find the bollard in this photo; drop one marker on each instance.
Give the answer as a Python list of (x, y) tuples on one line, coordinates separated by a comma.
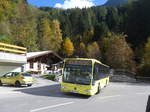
[(148, 105)]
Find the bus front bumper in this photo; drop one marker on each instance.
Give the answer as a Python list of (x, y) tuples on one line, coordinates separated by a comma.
[(84, 91)]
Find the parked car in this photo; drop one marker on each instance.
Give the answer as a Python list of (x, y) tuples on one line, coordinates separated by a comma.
[(17, 79)]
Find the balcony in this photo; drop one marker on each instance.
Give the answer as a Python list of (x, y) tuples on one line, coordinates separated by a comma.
[(11, 57)]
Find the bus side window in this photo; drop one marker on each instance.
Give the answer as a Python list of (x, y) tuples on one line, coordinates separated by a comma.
[(96, 72), (103, 71)]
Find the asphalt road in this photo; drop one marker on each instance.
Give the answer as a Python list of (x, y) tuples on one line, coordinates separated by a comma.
[(45, 96)]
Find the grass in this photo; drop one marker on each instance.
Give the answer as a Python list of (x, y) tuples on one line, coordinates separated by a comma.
[(49, 77)]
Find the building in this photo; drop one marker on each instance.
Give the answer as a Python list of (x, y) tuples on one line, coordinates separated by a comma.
[(16, 59), (12, 58), (41, 62)]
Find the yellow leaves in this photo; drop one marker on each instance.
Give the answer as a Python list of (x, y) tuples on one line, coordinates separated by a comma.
[(6, 9), (82, 45), (68, 47), (51, 36)]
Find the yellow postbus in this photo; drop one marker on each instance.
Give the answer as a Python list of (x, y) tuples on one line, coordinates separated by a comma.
[(84, 76)]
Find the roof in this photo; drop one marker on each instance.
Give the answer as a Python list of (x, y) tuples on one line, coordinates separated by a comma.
[(31, 55)]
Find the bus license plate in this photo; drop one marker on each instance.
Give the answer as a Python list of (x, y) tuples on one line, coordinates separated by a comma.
[(74, 92)]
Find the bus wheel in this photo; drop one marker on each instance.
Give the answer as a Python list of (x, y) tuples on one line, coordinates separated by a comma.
[(99, 89)]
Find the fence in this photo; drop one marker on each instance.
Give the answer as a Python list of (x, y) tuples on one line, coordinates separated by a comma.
[(127, 76), (142, 79), (124, 72), (12, 48)]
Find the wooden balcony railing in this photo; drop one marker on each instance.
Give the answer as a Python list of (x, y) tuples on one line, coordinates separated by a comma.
[(12, 48)]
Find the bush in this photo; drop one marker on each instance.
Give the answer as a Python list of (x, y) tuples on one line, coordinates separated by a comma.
[(144, 68), (144, 71), (49, 77)]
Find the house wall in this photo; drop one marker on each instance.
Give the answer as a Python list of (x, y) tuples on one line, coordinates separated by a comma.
[(35, 67)]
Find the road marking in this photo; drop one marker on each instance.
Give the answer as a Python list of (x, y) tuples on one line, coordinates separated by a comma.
[(52, 106), (108, 97)]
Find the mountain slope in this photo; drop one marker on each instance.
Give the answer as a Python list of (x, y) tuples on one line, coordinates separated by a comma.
[(116, 2)]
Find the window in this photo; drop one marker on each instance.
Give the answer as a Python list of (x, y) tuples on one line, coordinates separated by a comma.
[(8, 74), (31, 64), (96, 72), (39, 66), (15, 74), (26, 74), (100, 71)]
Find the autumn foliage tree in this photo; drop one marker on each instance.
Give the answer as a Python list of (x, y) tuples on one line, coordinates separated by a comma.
[(6, 9), (93, 51), (57, 34), (117, 52), (45, 34), (50, 35), (68, 47)]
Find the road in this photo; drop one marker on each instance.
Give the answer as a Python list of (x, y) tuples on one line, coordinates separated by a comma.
[(45, 96)]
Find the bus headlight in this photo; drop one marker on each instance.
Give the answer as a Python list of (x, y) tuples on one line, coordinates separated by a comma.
[(62, 87), (88, 90)]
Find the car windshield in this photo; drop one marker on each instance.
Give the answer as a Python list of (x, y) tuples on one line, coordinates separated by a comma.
[(79, 74), (26, 74)]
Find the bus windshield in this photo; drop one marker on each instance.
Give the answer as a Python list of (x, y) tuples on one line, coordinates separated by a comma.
[(77, 74)]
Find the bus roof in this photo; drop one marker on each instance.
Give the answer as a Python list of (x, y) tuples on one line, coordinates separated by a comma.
[(93, 60)]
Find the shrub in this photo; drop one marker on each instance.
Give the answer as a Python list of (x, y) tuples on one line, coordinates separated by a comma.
[(49, 77)]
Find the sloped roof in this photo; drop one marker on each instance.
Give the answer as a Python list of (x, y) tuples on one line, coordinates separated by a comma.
[(31, 55)]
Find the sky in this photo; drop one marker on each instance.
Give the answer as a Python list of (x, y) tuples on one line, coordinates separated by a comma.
[(66, 4)]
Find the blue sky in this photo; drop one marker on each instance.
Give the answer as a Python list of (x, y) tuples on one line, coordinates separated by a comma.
[(66, 3)]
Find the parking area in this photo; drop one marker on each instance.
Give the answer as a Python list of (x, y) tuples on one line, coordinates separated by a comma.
[(45, 96)]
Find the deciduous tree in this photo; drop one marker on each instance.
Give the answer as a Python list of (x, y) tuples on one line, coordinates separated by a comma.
[(117, 52), (93, 51), (68, 47)]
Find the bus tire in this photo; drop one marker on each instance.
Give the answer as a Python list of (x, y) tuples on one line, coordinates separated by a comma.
[(98, 89)]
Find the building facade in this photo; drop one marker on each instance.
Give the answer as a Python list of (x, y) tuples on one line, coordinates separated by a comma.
[(12, 58), (41, 62)]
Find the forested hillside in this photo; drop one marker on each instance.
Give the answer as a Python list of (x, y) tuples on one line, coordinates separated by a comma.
[(117, 2), (118, 36)]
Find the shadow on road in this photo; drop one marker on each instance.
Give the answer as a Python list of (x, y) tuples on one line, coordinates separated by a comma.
[(51, 91)]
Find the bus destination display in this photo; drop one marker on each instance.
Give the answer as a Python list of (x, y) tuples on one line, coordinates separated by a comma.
[(79, 62)]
